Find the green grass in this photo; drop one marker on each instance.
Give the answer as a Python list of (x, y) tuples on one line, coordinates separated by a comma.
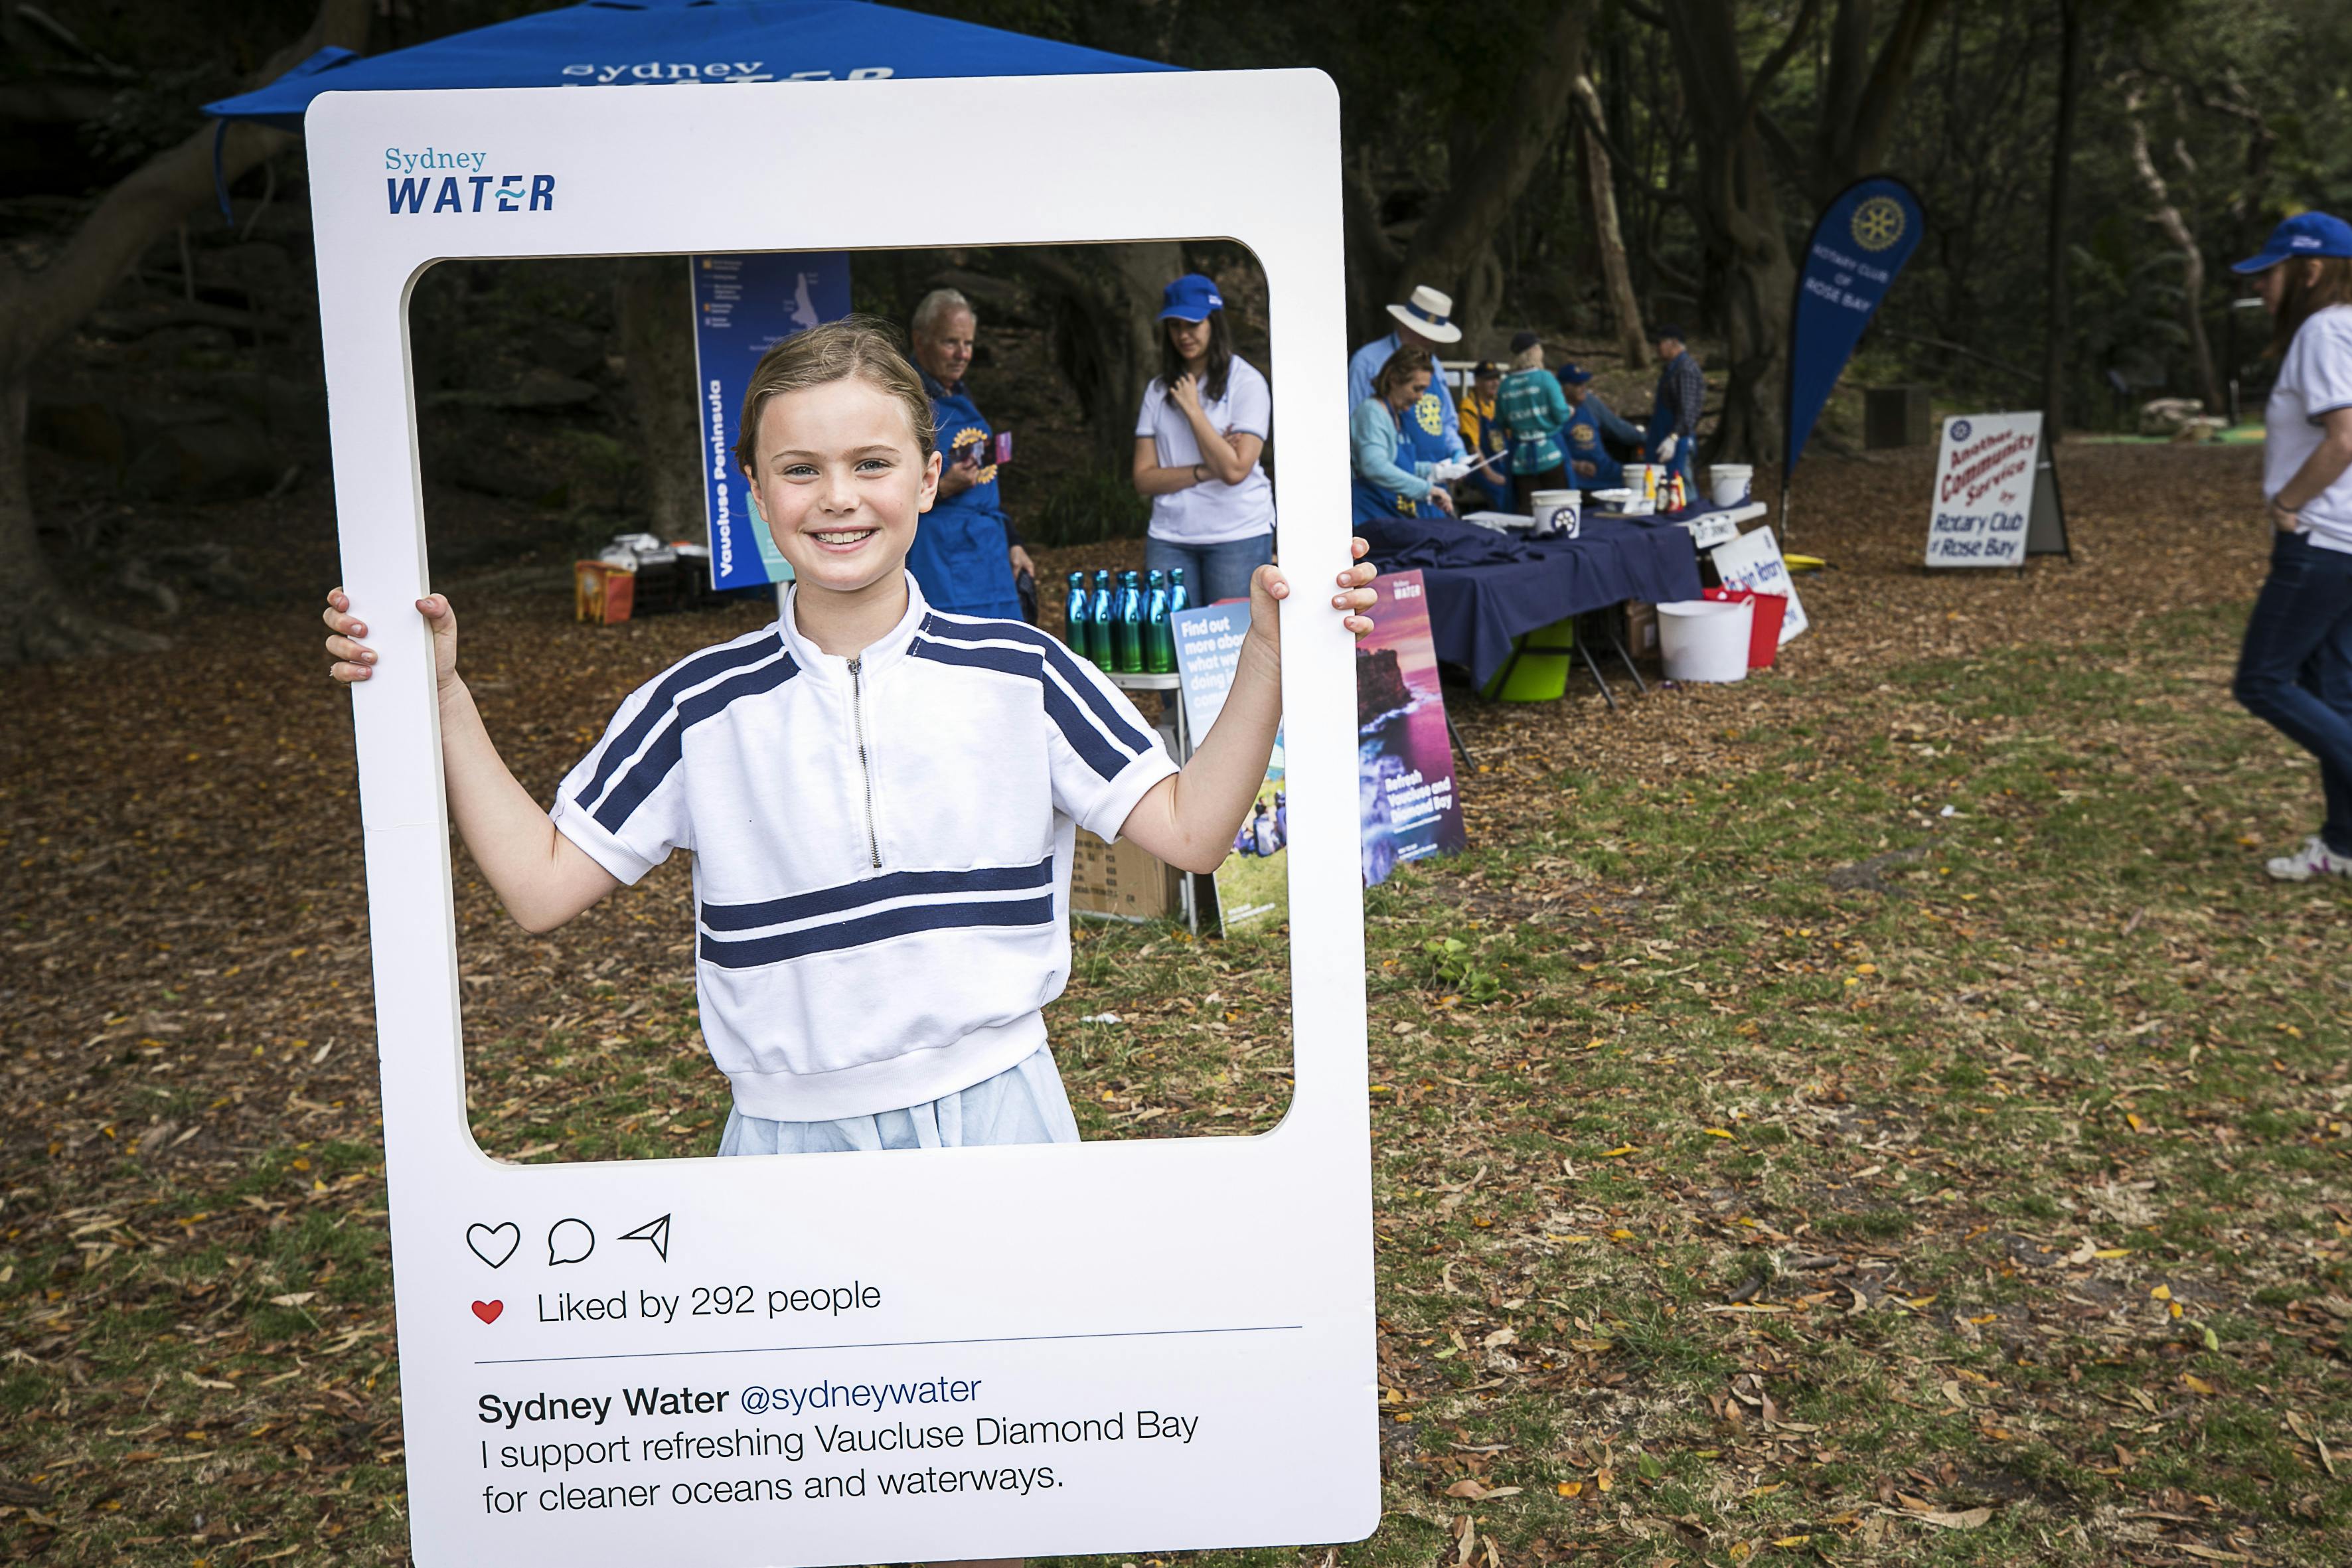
[(1728, 1210)]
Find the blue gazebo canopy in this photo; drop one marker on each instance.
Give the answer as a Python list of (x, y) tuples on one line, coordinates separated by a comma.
[(618, 43)]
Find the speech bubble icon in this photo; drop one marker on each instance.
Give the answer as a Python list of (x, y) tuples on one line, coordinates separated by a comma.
[(570, 1241)]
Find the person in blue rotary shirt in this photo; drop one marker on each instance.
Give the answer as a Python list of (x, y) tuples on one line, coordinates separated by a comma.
[(964, 556), (1421, 324), (1399, 453), (1591, 465)]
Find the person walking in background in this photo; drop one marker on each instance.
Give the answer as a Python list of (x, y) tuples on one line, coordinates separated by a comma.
[(1395, 435), (1591, 426), (1484, 440), (1204, 422), (1680, 399), (1532, 408), (2295, 668), (964, 556), (1422, 324)]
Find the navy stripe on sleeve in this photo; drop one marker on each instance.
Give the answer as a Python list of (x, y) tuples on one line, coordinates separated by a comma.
[(1083, 680), (645, 774), (702, 666), (761, 950), (874, 891), (1085, 739)]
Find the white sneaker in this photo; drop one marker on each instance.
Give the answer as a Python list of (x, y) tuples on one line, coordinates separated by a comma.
[(2313, 859)]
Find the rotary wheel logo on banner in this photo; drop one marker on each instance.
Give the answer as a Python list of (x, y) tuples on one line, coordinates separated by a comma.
[(1878, 223)]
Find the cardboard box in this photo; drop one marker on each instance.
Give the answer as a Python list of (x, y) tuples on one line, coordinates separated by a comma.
[(1120, 881), (603, 593), (1641, 629)]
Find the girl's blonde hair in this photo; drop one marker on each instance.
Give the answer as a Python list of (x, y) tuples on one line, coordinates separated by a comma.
[(1527, 358), (865, 347)]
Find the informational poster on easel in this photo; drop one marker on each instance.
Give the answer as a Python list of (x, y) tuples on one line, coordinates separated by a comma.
[(871, 1355), (744, 306), (1254, 884), (1996, 500), (1404, 755)]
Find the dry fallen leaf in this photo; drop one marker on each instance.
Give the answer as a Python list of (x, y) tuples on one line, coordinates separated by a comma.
[(1966, 1520)]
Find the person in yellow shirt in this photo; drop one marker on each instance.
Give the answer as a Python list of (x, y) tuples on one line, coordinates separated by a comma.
[(1481, 437)]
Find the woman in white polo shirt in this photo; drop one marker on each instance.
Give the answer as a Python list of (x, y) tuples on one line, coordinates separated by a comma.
[(1204, 422), (2295, 671)]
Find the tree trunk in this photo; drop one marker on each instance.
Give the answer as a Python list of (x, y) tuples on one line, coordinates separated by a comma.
[(1609, 239), (38, 619), (1860, 93), (1453, 249), (1739, 216), (2062, 164), (2167, 218), (1104, 308), (652, 300)]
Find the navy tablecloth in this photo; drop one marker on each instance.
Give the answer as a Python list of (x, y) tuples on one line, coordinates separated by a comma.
[(1487, 587)]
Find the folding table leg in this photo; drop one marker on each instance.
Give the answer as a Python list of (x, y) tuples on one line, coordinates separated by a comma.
[(1454, 732), (1631, 668), (1593, 665)]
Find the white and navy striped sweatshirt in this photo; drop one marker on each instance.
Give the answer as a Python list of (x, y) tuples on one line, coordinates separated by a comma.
[(881, 846)]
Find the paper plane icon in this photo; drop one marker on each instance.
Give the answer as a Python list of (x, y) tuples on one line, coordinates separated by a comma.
[(654, 1232)]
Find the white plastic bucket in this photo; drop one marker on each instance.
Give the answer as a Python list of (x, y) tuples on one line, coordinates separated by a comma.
[(1704, 639), (1727, 483), (1558, 512)]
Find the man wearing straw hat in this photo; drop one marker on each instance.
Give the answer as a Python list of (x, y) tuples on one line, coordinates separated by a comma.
[(1422, 324)]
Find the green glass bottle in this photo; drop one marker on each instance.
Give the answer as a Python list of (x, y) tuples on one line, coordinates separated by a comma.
[(1158, 636), (1127, 625), (1099, 637)]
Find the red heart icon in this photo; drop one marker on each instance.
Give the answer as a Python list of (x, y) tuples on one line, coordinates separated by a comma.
[(488, 1310)]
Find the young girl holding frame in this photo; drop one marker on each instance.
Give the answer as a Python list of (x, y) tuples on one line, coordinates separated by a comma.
[(881, 799)]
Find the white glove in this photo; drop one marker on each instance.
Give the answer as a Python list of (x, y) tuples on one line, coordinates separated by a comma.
[(1666, 447), (1448, 471)]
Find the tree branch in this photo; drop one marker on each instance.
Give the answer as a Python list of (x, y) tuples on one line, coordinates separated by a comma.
[(37, 309), (1778, 61)]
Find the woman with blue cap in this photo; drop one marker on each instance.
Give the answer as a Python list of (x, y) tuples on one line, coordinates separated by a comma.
[(1204, 422), (2295, 671)]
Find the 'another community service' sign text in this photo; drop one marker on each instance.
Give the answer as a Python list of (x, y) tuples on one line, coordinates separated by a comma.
[(1984, 489)]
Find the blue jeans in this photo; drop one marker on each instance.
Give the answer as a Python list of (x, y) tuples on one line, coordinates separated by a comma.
[(1212, 572), (2295, 671)]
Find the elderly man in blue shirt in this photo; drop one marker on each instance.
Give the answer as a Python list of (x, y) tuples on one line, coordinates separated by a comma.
[(1591, 465), (1422, 324), (965, 556)]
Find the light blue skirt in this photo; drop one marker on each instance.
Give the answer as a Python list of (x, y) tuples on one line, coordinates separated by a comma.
[(1023, 1104)]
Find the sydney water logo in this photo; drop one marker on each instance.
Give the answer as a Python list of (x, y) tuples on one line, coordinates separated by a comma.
[(412, 184)]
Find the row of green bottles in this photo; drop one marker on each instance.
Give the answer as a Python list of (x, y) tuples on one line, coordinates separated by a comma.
[(1128, 628)]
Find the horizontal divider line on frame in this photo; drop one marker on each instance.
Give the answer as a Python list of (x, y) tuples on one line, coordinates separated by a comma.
[(897, 1344)]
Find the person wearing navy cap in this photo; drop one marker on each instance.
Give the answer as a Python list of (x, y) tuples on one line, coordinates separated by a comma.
[(964, 556), (1423, 321), (1204, 421), (1676, 407), (1591, 466), (2295, 668)]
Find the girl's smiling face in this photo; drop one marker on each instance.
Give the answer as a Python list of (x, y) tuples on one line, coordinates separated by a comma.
[(840, 484)]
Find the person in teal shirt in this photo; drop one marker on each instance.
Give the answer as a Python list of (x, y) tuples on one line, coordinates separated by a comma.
[(1532, 409), (1591, 465)]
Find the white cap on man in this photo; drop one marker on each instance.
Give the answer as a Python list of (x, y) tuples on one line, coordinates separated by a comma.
[(1426, 314)]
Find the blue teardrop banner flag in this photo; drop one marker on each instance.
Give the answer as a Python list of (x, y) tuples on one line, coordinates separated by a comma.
[(1860, 243)]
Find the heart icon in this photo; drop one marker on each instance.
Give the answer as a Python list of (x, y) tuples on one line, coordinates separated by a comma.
[(488, 1310), (494, 1244)]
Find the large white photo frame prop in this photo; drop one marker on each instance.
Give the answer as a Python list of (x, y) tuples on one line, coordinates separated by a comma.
[(1193, 1317)]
